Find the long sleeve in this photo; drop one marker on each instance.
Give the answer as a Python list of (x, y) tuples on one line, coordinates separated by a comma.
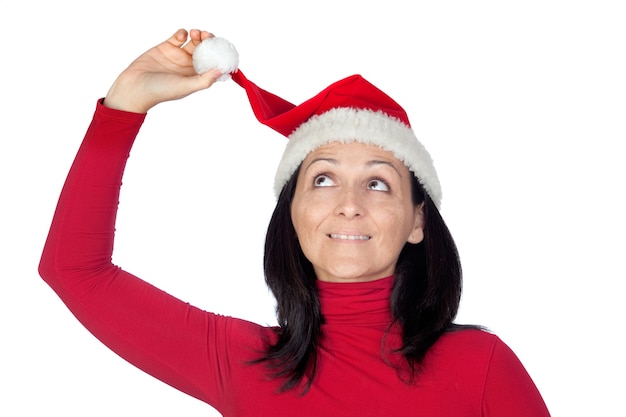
[(173, 341)]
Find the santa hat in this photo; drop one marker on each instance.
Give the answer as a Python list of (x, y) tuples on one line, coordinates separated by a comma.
[(349, 110)]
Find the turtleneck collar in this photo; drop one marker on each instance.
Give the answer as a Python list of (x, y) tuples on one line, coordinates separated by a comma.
[(356, 303)]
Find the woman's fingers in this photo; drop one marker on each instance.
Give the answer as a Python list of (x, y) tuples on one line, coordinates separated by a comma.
[(188, 40), (195, 37), (179, 38), (163, 73)]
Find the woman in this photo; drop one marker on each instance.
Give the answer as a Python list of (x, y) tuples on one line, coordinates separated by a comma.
[(365, 273)]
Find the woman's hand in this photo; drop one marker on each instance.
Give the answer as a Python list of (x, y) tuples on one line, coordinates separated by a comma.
[(163, 73)]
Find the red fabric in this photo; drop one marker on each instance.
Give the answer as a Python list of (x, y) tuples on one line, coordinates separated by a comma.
[(467, 373), (353, 92)]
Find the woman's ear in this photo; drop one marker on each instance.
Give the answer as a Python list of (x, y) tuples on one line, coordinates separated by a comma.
[(417, 235)]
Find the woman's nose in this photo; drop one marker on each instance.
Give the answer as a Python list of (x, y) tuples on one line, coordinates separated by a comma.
[(349, 202)]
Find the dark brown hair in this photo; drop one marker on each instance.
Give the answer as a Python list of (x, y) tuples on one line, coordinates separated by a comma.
[(424, 301)]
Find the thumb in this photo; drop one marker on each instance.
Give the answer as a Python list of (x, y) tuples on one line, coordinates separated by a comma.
[(199, 82), (209, 77)]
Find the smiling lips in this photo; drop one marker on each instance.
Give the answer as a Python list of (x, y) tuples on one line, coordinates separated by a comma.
[(348, 237)]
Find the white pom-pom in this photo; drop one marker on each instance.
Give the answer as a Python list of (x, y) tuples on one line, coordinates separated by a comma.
[(216, 53)]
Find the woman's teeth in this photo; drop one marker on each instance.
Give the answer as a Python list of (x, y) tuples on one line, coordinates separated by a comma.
[(348, 237)]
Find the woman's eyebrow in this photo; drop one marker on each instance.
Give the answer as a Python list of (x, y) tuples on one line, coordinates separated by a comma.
[(322, 159), (375, 162), (369, 164)]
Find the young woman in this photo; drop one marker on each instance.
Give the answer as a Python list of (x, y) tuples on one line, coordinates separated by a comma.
[(365, 273)]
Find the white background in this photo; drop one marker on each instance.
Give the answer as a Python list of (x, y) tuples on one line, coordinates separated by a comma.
[(522, 105)]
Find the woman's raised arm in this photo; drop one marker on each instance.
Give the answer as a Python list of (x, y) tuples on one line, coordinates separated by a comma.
[(155, 331)]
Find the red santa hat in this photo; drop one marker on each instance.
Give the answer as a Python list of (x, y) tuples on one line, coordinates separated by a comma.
[(349, 110)]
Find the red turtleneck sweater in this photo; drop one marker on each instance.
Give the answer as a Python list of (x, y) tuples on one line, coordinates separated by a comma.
[(466, 374)]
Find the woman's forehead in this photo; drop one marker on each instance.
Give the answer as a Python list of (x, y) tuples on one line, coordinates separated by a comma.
[(354, 155), (354, 148)]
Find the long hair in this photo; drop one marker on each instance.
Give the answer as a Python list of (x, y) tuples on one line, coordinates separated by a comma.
[(424, 300)]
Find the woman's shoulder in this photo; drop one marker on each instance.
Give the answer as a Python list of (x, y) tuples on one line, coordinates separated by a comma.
[(472, 337), (462, 357), (466, 345), (473, 351), (489, 370)]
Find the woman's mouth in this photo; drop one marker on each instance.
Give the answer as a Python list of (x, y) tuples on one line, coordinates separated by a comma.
[(348, 237)]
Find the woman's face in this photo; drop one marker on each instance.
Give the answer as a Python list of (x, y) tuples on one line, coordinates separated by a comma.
[(353, 212)]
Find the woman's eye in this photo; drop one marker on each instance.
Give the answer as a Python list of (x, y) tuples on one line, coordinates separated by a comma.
[(323, 181), (377, 185)]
